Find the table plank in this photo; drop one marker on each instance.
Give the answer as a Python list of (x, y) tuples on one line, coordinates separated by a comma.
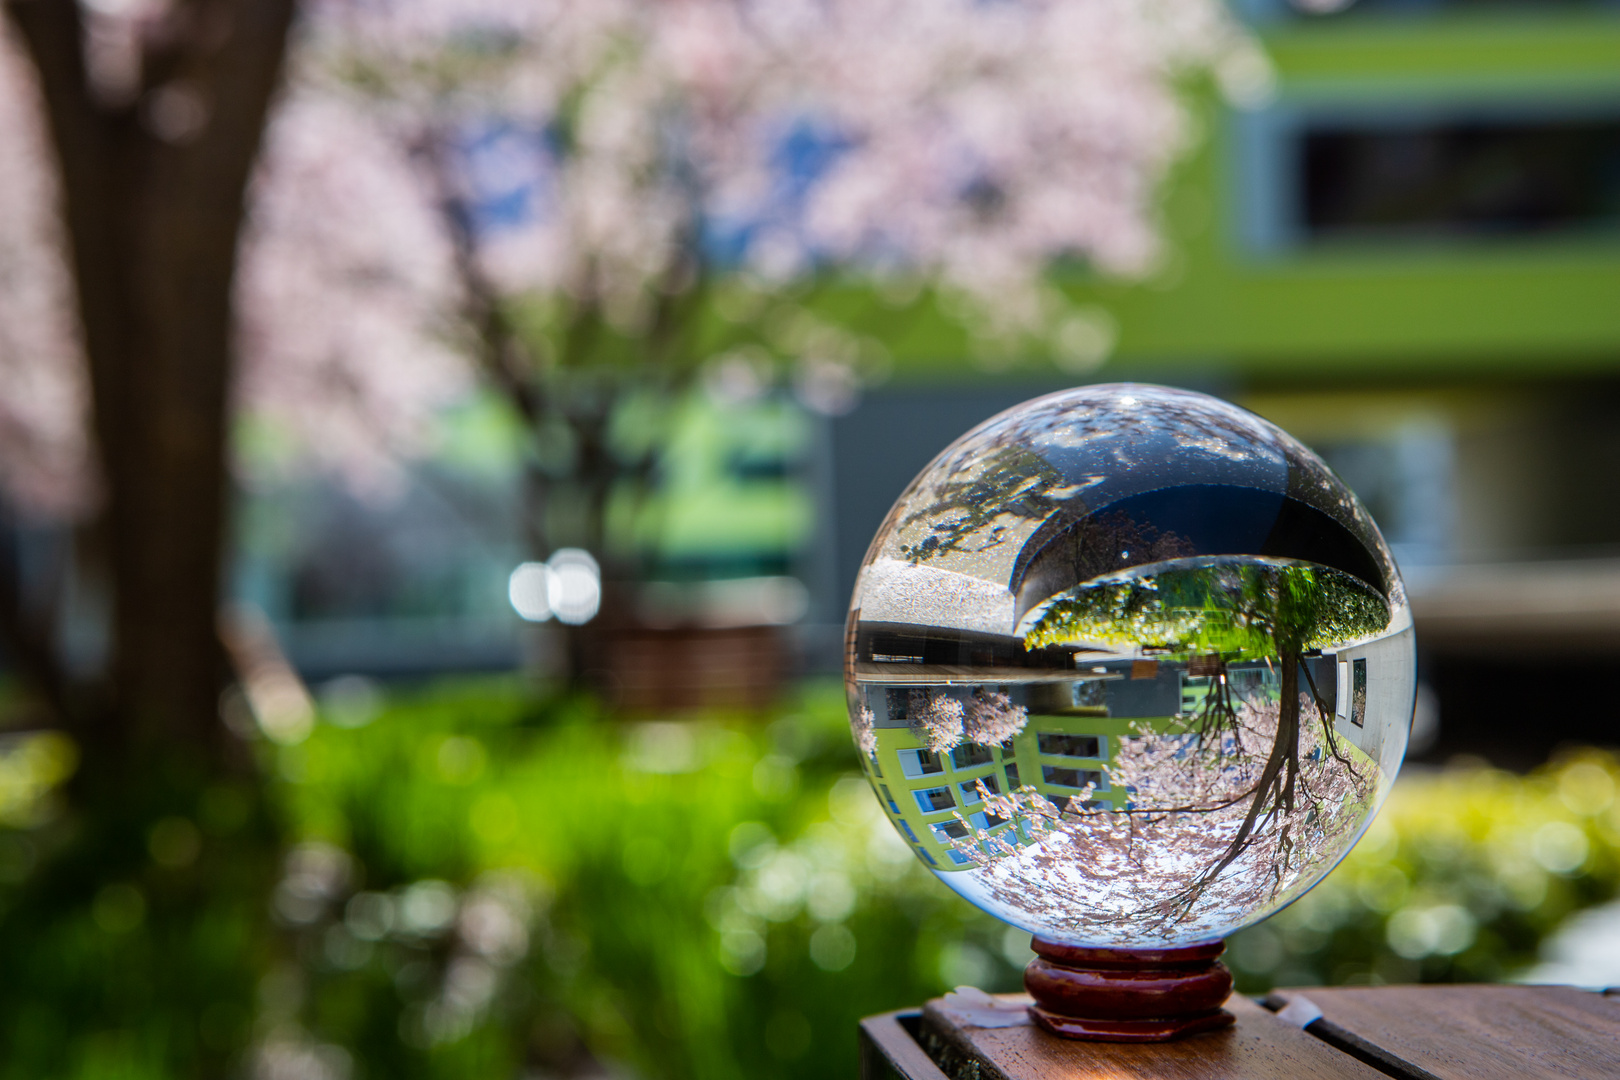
[(1481, 1032), (888, 1050), (1258, 1047)]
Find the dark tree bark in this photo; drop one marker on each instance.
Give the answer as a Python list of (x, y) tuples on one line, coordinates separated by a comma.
[(1274, 792), (153, 196)]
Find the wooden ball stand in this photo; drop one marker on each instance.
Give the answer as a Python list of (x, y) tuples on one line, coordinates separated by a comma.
[(1128, 995)]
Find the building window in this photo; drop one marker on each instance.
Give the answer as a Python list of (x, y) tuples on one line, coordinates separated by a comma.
[(905, 827), (958, 858), (986, 820), (876, 770), (1013, 783), (1059, 776), (950, 830), (893, 809), (965, 757), (924, 853), (1358, 10), (970, 788), (935, 799), (895, 649), (1059, 744), (1459, 177), (1092, 694), (1358, 691), (920, 762)]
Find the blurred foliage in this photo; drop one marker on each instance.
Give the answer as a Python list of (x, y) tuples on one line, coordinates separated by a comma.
[(479, 883), (132, 920), (1461, 876), (692, 898)]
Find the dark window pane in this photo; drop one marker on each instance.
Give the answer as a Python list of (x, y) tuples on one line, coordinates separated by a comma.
[(1463, 177), (745, 469), (1060, 745), (1074, 778), (889, 799), (1425, 7), (1013, 783), (970, 788), (1358, 692), (970, 755)]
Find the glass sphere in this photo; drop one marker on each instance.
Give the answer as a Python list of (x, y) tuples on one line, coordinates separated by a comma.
[(1129, 666)]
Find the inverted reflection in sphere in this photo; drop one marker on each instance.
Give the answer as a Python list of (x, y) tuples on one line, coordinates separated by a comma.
[(1129, 666)]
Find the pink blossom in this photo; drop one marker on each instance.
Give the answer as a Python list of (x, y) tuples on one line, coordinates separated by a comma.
[(346, 295), (993, 718), (43, 396), (953, 143), (937, 718), (1140, 875), (860, 723)]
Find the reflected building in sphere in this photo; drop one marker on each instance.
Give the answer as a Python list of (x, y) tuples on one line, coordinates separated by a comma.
[(1128, 666)]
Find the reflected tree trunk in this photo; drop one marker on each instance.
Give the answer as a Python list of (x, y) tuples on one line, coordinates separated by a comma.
[(1274, 791)]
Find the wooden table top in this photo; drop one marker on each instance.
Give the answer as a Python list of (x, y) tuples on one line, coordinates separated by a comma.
[(1355, 1033)]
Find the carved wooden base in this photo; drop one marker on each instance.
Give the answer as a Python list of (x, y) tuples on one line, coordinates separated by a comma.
[(1128, 995)]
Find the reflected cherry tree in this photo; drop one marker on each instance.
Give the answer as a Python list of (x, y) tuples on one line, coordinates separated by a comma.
[(1201, 649)]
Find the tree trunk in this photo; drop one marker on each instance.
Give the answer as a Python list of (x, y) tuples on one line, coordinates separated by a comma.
[(1274, 792), (153, 195)]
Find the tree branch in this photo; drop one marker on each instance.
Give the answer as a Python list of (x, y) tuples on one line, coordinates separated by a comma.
[(501, 350)]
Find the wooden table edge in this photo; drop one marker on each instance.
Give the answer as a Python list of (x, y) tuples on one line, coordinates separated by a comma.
[(889, 1049)]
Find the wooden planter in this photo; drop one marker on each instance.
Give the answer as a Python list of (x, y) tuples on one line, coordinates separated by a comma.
[(647, 670)]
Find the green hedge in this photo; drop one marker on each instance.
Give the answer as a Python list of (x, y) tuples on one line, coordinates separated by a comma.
[(1462, 875), (480, 883)]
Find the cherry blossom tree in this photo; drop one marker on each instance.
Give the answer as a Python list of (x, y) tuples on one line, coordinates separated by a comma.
[(1193, 854), (638, 193), (945, 722), (1223, 612), (589, 205), (334, 216)]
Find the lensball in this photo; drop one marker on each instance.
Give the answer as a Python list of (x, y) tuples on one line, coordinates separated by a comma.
[(1129, 667)]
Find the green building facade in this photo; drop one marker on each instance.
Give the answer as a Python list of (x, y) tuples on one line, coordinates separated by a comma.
[(1297, 250), (1066, 751)]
